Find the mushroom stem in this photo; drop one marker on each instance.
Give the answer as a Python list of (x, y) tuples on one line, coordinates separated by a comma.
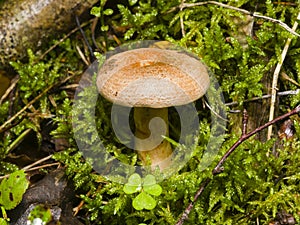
[(150, 125)]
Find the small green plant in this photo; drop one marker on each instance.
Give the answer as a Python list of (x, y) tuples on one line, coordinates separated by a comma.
[(98, 11), (40, 212), (12, 190), (146, 187), (102, 13), (3, 221)]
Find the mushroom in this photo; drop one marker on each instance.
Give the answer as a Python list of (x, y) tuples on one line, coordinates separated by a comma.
[(151, 80)]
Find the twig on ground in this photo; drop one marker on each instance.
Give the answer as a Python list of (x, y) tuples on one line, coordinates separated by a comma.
[(43, 166), (282, 93), (93, 28), (31, 166), (286, 77), (3, 127), (219, 167), (214, 112), (255, 15), (18, 140), (181, 18), (37, 162), (10, 120), (63, 39), (82, 56), (13, 83), (245, 122), (85, 39), (275, 78)]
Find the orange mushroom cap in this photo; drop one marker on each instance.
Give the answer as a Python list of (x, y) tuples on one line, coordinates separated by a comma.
[(152, 77)]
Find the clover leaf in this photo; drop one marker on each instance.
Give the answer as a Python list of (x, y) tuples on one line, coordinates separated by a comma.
[(12, 189), (143, 201), (133, 185), (149, 180), (150, 186), (147, 187)]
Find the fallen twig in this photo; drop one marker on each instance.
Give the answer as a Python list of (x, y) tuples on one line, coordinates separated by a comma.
[(219, 169), (7, 123), (13, 84), (31, 166), (63, 39), (282, 93), (275, 78), (181, 19), (18, 140), (10, 120), (85, 39), (37, 162)]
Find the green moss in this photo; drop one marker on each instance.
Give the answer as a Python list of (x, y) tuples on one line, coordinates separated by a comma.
[(34, 77), (253, 187)]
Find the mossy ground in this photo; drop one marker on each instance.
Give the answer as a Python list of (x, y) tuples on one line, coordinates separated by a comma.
[(256, 185)]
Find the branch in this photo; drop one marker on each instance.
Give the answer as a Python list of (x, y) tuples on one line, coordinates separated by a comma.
[(282, 93), (63, 39), (275, 78), (8, 123), (219, 169), (255, 15), (31, 166), (181, 18)]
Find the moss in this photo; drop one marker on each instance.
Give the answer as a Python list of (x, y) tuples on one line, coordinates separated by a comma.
[(253, 187)]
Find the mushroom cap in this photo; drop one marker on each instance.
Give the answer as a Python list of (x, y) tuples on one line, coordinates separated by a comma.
[(152, 77)]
